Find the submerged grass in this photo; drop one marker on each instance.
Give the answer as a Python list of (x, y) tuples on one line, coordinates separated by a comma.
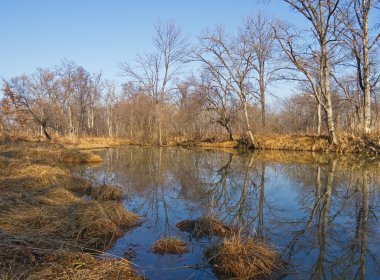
[(205, 227), (169, 245), (245, 258)]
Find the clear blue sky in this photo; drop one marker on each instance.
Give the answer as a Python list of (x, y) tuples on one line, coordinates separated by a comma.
[(99, 34)]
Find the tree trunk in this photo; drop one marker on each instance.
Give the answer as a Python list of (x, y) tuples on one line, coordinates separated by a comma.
[(327, 96), (366, 76), (159, 120), (229, 130), (71, 121), (262, 101), (248, 126), (48, 137), (109, 123), (319, 119)]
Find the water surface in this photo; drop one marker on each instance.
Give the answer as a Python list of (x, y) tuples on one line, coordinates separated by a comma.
[(321, 213)]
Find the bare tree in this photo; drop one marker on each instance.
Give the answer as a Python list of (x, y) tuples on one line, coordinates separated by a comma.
[(358, 38), (33, 96), (261, 35), (229, 59), (154, 72), (110, 99), (217, 99), (321, 15), (67, 72)]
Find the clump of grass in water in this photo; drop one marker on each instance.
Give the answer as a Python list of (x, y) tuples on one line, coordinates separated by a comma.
[(205, 227), (106, 192), (245, 258), (169, 245)]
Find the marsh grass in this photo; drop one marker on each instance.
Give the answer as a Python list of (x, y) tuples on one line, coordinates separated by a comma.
[(80, 266), (80, 157), (29, 257), (205, 227), (106, 192), (169, 245), (42, 213), (245, 258)]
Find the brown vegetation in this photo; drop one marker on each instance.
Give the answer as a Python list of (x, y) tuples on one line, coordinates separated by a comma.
[(42, 259), (245, 258), (68, 265), (106, 192), (80, 157), (42, 213), (88, 143), (169, 245), (205, 227), (310, 143)]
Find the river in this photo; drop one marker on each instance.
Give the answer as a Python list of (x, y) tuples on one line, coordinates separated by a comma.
[(321, 213)]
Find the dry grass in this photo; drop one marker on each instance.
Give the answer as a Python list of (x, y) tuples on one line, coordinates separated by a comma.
[(80, 157), (47, 153), (347, 143), (106, 192), (84, 143), (245, 258), (293, 143), (100, 224), (83, 266), (89, 224), (169, 245), (26, 257), (205, 227), (56, 196), (224, 144), (41, 211)]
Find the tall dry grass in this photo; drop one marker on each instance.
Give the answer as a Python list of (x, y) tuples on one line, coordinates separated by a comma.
[(42, 213), (169, 245), (245, 258)]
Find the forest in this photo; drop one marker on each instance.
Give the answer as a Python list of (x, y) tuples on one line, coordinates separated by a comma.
[(219, 87)]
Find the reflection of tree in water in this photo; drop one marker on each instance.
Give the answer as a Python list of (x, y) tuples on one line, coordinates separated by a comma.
[(336, 201), (324, 234), (230, 190)]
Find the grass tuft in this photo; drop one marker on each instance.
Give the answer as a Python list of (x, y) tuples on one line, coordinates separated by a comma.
[(169, 245), (106, 192), (205, 227), (245, 258)]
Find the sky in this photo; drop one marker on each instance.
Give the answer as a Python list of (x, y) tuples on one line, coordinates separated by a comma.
[(99, 34)]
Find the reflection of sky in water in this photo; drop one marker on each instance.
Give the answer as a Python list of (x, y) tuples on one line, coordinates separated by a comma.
[(321, 218)]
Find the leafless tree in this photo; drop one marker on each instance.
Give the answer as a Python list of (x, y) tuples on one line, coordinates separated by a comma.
[(217, 99), (265, 65), (229, 59), (34, 97), (361, 40), (154, 72), (321, 15)]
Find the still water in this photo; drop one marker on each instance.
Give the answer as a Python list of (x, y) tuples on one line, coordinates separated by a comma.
[(322, 214)]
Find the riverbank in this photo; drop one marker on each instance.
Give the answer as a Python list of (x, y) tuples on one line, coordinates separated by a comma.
[(308, 143), (347, 144), (47, 226)]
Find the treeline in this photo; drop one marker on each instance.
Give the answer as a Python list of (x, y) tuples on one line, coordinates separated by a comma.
[(333, 61)]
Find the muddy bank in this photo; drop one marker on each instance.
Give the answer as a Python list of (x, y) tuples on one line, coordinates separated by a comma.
[(47, 228)]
